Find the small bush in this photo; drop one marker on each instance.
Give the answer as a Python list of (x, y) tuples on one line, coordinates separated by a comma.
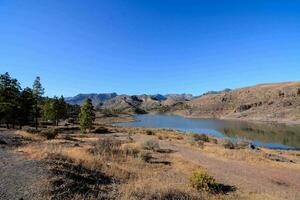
[(145, 156), (131, 149), (203, 181), (31, 130), (49, 133), (201, 137), (151, 145), (160, 137), (228, 144), (108, 146), (149, 132), (242, 144), (199, 143), (101, 130)]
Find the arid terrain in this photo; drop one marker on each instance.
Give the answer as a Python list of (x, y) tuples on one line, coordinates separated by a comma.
[(136, 163), (277, 102)]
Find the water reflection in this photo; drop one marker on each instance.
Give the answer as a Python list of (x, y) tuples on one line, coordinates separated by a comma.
[(262, 134)]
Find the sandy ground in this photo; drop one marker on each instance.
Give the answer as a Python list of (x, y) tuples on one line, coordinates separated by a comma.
[(279, 182)]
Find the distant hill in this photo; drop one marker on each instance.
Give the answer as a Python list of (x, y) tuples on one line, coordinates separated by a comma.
[(268, 102), (96, 98), (132, 103)]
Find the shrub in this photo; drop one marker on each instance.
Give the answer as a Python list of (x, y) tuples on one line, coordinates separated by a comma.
[(199, 143), (203, 181), (49, 133), (242, 144), (131, 149), (228, 144), (31, 130), (101, 130), (201, 137), (108, 146), (151, 145), (145, 156), (149, 132)]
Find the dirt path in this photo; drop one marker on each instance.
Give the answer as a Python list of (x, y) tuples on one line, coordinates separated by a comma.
[(20, 178), (282, 183)]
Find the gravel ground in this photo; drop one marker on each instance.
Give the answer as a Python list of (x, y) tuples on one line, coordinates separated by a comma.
[(20, 178)]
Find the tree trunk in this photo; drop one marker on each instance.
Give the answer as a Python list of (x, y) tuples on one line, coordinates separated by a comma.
[(36, 116)]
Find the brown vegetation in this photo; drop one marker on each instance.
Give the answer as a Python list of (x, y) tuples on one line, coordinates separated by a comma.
[(139, 163)]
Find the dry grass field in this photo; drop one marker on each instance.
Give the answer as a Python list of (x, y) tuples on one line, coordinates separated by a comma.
[(137, 163)]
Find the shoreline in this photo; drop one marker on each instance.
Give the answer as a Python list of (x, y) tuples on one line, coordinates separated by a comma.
[(258, 143), (252, 120)]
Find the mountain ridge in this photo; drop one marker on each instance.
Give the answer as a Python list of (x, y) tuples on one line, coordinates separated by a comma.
[(261, 102)]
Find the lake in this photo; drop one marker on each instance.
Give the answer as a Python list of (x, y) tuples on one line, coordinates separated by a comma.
[(270, 135)]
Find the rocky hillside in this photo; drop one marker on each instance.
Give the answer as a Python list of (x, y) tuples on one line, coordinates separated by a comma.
[(269, 102), (96, 98), (133, 104)]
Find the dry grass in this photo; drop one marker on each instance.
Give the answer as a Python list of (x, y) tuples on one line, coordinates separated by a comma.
[(213, 146), (117, 158), (166, 174), (30, 136)]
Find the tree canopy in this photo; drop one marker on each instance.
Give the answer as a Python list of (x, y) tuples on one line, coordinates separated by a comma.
[(86, 116), (26, 106)]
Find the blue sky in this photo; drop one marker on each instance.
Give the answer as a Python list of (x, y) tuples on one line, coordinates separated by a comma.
[(153, 46)]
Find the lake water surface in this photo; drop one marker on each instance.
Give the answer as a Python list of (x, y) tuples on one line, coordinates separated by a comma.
[(268, 135)]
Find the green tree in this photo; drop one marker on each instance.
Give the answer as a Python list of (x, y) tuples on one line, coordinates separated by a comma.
[(26, 103), (55, 109), (38, 92), (86, 116), (9, 96)]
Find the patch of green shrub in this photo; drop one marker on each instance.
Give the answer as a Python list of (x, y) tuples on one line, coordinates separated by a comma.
[(202, 181)]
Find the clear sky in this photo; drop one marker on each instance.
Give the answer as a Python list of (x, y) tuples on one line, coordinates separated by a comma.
[(149, 46)]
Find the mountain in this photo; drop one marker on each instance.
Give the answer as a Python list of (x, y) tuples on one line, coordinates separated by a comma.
[(268, 102), (96, 98), (127, 102)]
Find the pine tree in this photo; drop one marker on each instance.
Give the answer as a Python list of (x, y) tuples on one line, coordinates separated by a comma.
[(86, 116), (9, 96), (38, 92), (55, 109), (26, 103)]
